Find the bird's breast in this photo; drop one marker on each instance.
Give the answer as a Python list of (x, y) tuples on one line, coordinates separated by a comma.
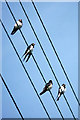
[(50, 86), (62, 89), (31, 48), (19, 24)]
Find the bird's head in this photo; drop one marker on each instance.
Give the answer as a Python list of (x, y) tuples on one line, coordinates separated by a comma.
[(20, 20), (33, 44), (64, 85), (50, 81)]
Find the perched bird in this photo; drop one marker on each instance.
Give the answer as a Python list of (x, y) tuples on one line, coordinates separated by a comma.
[(28, 52), (47, 87), (17, 26), (61, 91)]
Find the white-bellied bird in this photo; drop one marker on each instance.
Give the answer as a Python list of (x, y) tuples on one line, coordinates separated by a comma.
[(28, 52), (17, 26), (61, 91)]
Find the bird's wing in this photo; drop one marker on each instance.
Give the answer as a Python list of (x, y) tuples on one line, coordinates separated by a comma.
[(26, 51), (44, 90), (14, 30), (59, 90), (29, 56), (25, 57), (46, 86)]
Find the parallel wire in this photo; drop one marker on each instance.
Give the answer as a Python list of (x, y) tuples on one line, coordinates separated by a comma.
[(11, 97), (25, 70), (59, 85), (55, 52), (45, 55), (36, 63)]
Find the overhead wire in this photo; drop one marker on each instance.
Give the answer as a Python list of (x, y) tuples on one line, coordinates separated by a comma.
[(64, 71), (45, 54), (12, 97), (35, 62), (25, 69), (68, 105)]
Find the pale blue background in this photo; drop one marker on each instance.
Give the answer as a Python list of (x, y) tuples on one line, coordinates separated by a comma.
[(0, 63), (61, 20)]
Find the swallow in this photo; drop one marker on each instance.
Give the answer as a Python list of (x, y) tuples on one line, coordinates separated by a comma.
[(61, 91), (17, 26), (28, 52), (47, 87)]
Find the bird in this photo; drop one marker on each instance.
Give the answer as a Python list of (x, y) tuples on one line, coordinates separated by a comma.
[(61, 91), (28, 52), (47, 87), (17, 26)]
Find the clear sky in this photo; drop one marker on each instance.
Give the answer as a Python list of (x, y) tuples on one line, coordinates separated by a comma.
[(61, 21)]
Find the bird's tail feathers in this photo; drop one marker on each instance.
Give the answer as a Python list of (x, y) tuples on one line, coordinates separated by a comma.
[(24, 57), (42, 92), (28, 57), (12, 32), (58, 98)]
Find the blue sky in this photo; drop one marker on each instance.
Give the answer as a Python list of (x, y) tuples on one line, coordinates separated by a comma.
[(61, 21)]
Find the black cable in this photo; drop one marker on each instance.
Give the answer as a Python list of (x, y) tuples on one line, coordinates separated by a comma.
[(59, 85), (36, 63), (38, 40), (24, 69), (55, 52), (44, 53), (49, 91), (12, 97)]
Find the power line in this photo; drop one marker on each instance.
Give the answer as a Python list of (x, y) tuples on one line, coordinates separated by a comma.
[(55, 52), (49, 91), (44, 53), (66, 99), (35, 62), (24, 69), (12, 97)]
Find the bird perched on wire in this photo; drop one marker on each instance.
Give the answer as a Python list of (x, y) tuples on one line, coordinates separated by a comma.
[(17, 26), (28, 52), (47, 87), (61, 91)]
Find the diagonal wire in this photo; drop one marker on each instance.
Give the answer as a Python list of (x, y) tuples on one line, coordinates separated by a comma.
[(55, 52), (12, 97), (25, 69), (58, 84), (36, 63), (45, 55)]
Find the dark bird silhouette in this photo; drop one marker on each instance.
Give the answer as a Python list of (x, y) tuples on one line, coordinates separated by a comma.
[(61, 91), (17, 26), (47, 87), (28, 52)]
